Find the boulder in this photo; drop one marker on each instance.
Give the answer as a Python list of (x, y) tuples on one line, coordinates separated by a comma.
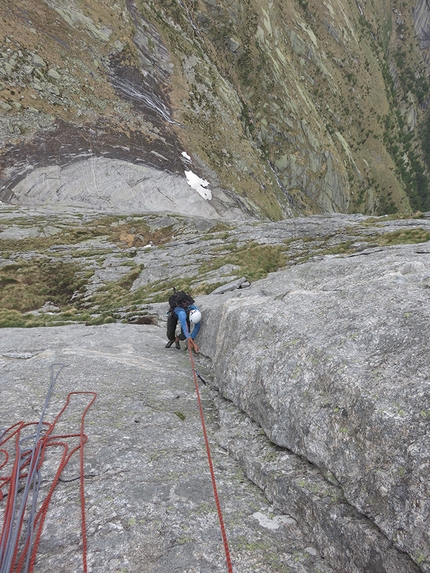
[(331, 359)]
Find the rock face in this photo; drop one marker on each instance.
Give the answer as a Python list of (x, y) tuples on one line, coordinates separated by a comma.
[(323, 365), (422, 24), (330, 358), (119, 186), (148, 493), (281, 107)]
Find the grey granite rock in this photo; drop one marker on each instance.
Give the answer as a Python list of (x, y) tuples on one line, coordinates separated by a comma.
[(112, 185), (277, 127), (330, 358), (233, 285), (149, 498)]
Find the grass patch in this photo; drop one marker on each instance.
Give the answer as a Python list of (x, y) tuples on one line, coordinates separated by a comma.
[(404, 236), (127, 281), (225, 247), (254, 261), (117, 229), (157, 292), (117, 294), (221, 226), (339, 249), (15, 319), (93, 253), (36, 244), (206, 288), (27, 284), (372, 221)]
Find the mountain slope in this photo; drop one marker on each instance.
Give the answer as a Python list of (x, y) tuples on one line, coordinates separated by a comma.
[(279, 107)]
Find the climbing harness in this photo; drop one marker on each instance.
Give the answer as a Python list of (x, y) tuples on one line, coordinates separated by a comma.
[(21, 486), (211, 469)]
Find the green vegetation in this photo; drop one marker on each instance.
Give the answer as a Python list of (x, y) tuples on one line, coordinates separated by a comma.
[(375, 221), (254, 261), (425, 140), (27, 285), (15, 319), (117, 294), (404, 236), (116, 230), (32, 279), (339, 249), (420, 558), (64, 276)]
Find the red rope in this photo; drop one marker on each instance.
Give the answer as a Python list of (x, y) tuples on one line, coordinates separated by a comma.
[(13, 489), (208, 451), (45, 441)]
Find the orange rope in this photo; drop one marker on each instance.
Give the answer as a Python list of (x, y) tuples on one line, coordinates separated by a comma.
[(208, 451)]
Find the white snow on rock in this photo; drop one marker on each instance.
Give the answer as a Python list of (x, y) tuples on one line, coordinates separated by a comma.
[(198, 184)]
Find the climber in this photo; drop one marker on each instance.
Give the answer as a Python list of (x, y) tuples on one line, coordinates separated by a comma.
[(182, 308)]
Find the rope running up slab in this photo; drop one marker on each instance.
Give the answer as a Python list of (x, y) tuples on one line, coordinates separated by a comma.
[(208, 451)]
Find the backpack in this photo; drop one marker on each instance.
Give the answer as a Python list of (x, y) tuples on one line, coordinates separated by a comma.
[(180, 298)]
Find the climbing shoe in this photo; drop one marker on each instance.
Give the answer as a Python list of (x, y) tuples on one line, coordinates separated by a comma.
[(169, 344), (177, 344)]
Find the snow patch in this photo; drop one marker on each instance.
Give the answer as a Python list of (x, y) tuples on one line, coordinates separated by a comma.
[(185, 154), (198, 184)]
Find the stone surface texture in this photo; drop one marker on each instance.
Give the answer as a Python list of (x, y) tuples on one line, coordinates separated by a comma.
[(317, 390), (114, 185), (283, 108), (330, 358), (149, 499)]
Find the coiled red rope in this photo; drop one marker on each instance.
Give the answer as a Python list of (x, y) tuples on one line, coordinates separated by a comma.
[(18, 549), (211, 469)]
